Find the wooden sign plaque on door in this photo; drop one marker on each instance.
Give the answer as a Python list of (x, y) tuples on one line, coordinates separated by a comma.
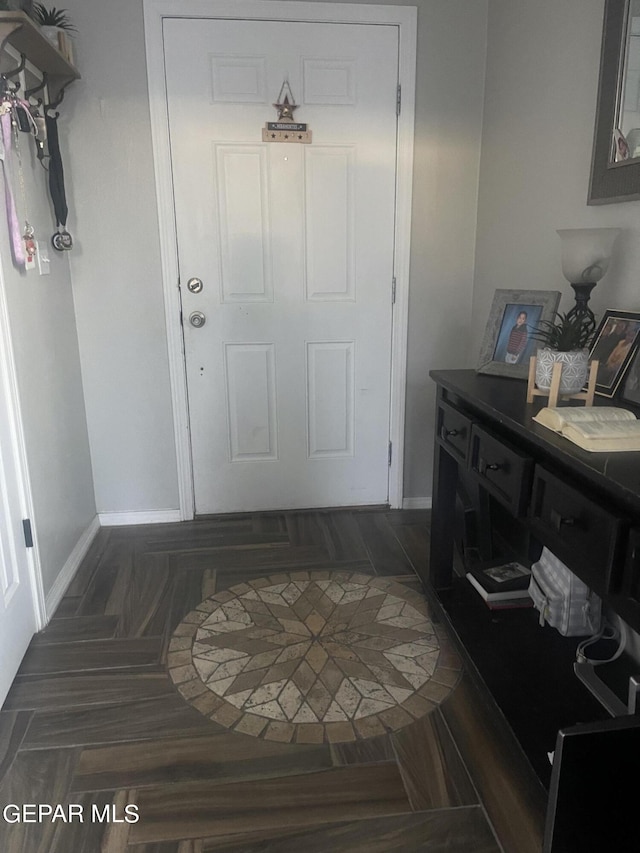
[(282, 131)]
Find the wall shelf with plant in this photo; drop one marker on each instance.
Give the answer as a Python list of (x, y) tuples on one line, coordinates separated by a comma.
[(56, 25), (25, 36)]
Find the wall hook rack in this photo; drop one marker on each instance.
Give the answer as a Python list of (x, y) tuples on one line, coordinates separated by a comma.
[(58, 99), (29, 93), (13, 72)]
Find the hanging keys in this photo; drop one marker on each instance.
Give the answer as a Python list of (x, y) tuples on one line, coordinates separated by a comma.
[(30, 248), (62, 241), (23, 119)]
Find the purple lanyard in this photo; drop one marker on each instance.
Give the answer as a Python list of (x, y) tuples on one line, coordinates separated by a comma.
[(17, 244)]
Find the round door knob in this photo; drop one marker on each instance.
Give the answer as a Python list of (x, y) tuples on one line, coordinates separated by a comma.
[(197, 319)]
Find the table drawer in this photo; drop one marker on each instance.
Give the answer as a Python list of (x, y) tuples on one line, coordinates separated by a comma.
[(454, 430), (504, 471), (581, 533)]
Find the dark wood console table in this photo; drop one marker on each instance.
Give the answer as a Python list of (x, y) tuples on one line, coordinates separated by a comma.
[(526, 487)]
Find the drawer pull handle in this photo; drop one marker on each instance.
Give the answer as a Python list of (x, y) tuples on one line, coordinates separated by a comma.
[(485, 466), (558, 520), (445, 433)]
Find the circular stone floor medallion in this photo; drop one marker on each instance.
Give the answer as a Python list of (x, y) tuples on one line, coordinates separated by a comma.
[(312, 657)]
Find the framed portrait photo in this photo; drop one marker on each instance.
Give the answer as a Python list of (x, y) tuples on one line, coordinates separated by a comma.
[(631, 386), (508, 339), (614, 346)]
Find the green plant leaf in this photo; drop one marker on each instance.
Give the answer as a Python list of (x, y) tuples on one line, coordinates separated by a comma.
[(52, 17), (567, 332)]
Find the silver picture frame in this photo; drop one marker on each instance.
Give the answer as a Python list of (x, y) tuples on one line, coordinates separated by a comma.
[(538, 306), (612, 181)]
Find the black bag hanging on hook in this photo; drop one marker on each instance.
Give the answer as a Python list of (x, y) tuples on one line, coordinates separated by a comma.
[(61, 240)]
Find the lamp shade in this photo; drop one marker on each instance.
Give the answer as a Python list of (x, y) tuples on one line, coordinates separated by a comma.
[(586, 253)]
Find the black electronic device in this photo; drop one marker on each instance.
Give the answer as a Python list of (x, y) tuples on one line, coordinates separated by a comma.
[(593, 799)]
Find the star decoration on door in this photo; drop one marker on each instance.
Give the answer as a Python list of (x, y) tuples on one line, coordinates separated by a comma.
[(285, 106), (285, 129), (285, 109)]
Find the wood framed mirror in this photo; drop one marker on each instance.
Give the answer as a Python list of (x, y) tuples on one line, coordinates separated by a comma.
[(615, 165)]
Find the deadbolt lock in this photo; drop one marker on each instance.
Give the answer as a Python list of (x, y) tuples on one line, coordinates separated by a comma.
[(195, 285)]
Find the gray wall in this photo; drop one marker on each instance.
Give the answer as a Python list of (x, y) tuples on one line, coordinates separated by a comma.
[(536, 120), (116, 264), (43, 332), (541, 87), (449, 101), (537, 126), (116, 267)]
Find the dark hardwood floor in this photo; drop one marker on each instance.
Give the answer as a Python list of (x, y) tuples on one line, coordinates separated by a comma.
[(94, 724)]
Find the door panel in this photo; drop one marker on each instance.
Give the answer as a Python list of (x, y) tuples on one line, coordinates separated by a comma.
[(243, 221), (251, 401), (331, 404), (329, 224), (289, 378), (17, 607)]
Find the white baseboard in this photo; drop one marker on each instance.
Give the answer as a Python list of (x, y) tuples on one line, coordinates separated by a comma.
[(416, 503), (57, 591), (160, 516)]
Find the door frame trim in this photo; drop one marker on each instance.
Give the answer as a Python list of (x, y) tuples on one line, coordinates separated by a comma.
[(405, 18), (10, 397)]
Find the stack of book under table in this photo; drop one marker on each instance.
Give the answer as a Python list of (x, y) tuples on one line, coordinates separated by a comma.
[(502, 585)]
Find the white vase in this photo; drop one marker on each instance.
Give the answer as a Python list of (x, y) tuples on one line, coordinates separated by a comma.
[(575, 369), (51, 33)]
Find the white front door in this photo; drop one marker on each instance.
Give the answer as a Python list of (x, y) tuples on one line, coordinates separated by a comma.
[(289, 377), (18, 621)]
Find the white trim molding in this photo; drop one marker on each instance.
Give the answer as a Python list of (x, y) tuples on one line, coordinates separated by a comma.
[(405, 19), (11, 399), (71, 566), (152, 516)]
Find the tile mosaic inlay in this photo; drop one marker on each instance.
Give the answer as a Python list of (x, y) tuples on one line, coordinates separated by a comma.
[(312, 656)]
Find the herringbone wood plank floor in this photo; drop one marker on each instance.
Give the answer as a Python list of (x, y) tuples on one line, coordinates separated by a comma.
[(94, 720)]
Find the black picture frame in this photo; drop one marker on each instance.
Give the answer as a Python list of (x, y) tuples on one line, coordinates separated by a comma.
[(630, 389), (614, 346), (610, 181)]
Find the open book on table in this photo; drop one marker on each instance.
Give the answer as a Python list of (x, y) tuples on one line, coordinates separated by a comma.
[(598, 428)]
